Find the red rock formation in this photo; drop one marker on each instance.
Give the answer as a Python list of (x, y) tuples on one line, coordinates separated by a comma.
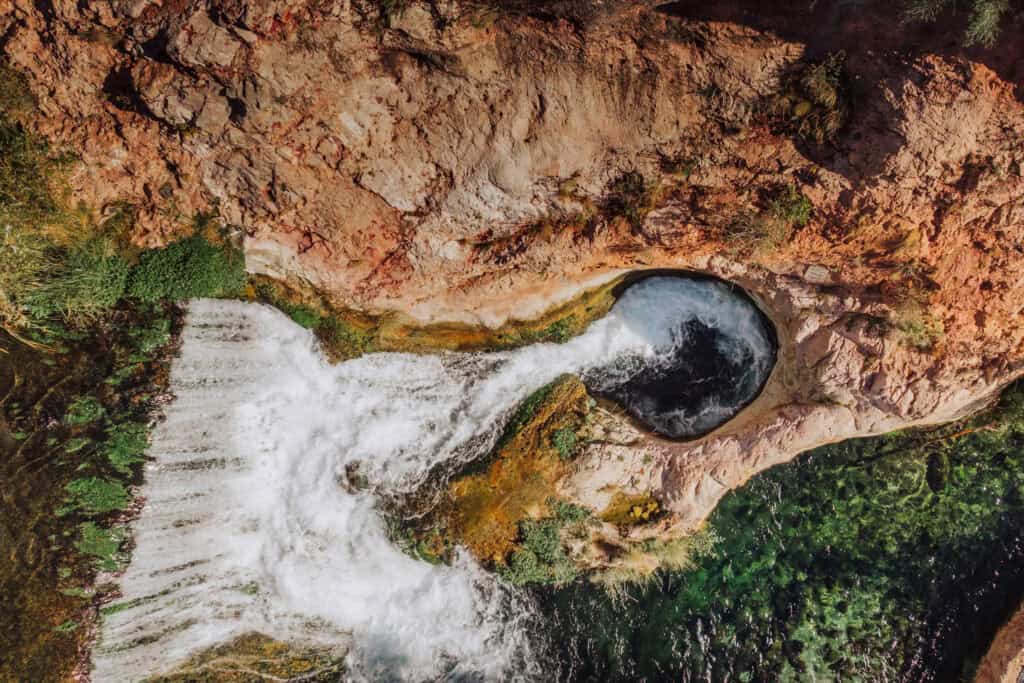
[(445, 162)]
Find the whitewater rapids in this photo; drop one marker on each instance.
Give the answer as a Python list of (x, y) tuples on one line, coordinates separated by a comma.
[(250, 523)]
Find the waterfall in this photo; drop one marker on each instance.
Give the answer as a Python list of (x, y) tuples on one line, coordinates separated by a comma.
[(251, 520)]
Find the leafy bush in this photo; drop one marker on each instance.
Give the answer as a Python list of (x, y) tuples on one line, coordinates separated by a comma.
[(95, 496), (187, 269), (791, 207), (541, 557)]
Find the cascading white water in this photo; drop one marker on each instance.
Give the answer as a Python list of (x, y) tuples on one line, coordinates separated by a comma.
[(250, 523)]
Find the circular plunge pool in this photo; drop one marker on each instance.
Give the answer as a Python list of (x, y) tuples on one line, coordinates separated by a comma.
[(711, 351)]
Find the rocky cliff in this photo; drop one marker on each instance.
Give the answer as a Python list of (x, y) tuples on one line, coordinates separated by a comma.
[(474, 162)]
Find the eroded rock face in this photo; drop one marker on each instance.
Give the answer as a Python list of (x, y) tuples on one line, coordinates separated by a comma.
[(459, 162)]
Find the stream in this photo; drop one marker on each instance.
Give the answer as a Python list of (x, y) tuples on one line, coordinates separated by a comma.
[(262, 494)]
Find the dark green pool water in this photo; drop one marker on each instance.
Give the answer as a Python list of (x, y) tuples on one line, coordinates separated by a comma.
[(887, 559)]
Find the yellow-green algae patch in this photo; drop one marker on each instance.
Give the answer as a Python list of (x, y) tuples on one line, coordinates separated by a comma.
[(484, 510), (256, 657), (346, 333), (630, 510)]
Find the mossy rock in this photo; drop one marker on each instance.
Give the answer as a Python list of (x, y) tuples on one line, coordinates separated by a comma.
[(255, 656), (632, 510), (345, 333), (485, 509)]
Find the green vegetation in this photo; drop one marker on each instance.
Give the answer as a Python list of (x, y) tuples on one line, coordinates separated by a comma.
[(59, 265), (984, 26), (101, 544), (125, 445), (15, 97), (83, 410), (813, 104), (892, 558), (525, 412), (67, 626), (791, 207), (631, 197), (540, 556), (95, 496), (917, 328), (772, 228), (187, 269), (565, 442)]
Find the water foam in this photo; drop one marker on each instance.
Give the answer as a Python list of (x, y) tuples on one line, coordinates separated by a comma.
[(251, 520)]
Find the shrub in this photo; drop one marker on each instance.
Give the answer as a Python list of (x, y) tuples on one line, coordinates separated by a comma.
[(757, 232), (88, 278), (152, 337), (918, 329), (95, 496), (630, 196), (813, 102), (791, 207), (541, 557), (187, 269)]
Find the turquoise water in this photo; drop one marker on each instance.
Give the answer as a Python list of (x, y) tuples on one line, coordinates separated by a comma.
[(886, 559)]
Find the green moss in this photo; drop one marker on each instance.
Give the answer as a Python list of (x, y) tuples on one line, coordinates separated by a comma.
[(125, 445), (67, 626), (191, 268), (102, 544), (565, 442), (95, 496), (525, 412), (84, 410), (303, 315)]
